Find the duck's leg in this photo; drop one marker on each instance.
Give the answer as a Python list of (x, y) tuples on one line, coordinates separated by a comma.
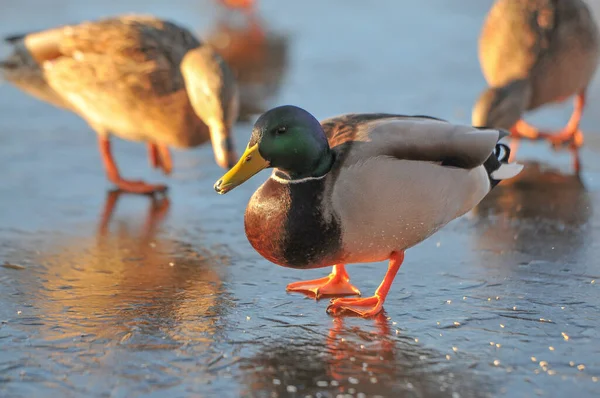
[(245, 5), (160, 157), (570, 134), (369, 306), (166, 163), (153, 155), (514, 145), (576, 160), (336, 284), (522, 129), (112, 172)]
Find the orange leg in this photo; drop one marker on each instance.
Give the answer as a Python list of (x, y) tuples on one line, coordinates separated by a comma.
[(153, 156), (113, 175), (165, 159), (570, 134), (336, 284), (370, 306), (160, 156), (514, 147), (522, 129)]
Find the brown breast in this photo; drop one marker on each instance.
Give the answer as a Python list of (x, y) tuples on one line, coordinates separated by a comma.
[(286, 224)]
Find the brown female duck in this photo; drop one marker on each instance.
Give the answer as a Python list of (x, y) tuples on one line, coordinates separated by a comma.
[(137, 77), (533, 53)]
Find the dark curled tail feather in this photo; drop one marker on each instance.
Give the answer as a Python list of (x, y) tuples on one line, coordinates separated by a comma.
[(17, 37), (497, 165), (13, 39), (502, 152)]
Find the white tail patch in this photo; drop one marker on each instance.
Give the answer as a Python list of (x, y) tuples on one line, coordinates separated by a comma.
[(506, 171)]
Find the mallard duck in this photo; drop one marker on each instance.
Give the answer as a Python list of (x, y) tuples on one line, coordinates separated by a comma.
[(532, 53), (137, 77), (359, 188)]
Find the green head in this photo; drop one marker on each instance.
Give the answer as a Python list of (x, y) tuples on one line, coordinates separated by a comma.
[(288, 138)]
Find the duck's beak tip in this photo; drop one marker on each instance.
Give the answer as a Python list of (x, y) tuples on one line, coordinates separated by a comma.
[(219, 188)]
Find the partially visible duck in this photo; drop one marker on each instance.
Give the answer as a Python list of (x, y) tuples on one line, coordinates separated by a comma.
[(533, 53), (137, 77), (257, 55)]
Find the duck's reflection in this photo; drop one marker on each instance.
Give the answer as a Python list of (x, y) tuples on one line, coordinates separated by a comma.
[(541, 212), (257, 55), (369, 360), (157, 211), (129, 284)]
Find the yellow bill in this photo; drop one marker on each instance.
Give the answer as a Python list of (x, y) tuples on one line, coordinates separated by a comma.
[(249, 164)]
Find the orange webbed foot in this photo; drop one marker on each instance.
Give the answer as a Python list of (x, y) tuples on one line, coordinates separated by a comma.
[(369, 306), (365, 307), (570, 138), (336, 284), (112, 172)]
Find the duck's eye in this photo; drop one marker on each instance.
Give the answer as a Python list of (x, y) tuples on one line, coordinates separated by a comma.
[(280, 130)]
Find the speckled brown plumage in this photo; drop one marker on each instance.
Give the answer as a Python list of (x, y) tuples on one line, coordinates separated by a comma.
[(137, 77), (554, 43), (532, 53)]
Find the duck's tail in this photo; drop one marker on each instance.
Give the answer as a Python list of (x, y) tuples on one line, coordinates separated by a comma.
[(8, 64), (497, 165), (3, 67), (14, 39)]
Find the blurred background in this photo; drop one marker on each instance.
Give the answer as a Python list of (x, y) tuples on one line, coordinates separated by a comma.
[(114, 295)]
